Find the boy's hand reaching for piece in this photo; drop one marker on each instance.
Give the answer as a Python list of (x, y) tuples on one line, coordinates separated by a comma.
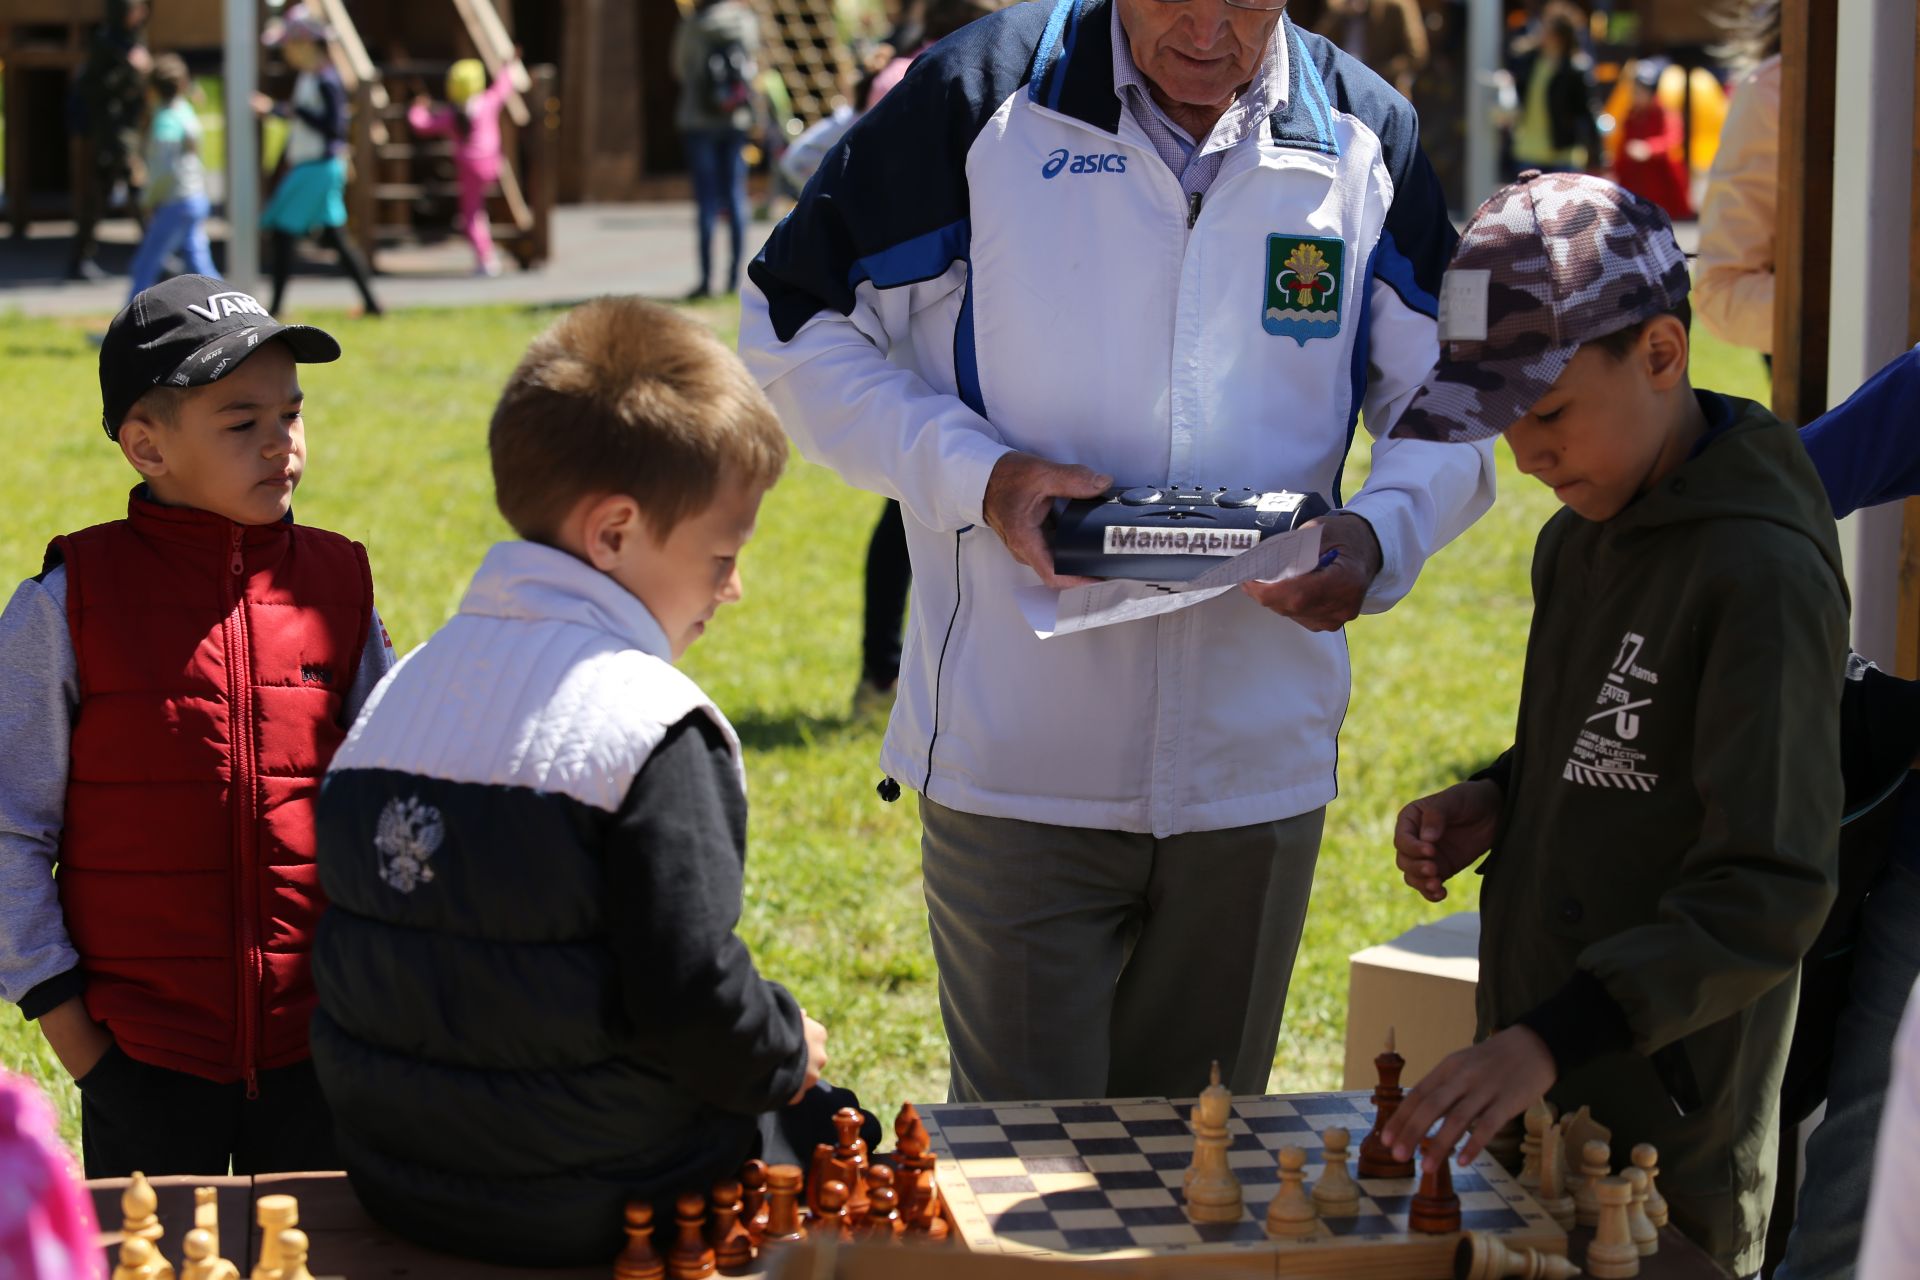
[(1478, 1090), (1443, 833), (816, 1055)]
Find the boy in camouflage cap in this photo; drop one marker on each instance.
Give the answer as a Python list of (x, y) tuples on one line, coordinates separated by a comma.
[(1663, 829)]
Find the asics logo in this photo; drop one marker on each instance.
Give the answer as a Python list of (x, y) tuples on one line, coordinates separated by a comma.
[(1064, 161)]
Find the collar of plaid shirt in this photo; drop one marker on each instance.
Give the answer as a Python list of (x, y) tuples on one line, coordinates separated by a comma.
[(1197, 164)]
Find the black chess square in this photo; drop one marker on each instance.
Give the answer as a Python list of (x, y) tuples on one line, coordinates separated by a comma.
[(1171, 1128), (1056, 1201)]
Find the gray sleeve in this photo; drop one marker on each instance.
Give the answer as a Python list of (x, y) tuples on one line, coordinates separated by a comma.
[(39, 695), (376, 659)]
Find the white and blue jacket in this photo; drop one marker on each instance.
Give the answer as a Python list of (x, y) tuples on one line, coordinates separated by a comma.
[(995, 258)]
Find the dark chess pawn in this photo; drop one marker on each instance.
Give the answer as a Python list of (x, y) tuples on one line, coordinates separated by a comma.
[(1435, 1209), (783, 1204), (639, 1260), (732, 1250), (691, 1258), (753, 1199), (881, 1225), (831, 1222)]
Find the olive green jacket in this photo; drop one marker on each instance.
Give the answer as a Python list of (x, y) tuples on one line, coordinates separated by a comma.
[(1672, 808)]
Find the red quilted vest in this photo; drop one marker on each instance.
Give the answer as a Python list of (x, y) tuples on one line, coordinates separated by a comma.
[(213, 662)]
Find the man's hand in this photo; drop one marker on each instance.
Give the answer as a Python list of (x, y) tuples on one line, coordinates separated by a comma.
[(1019, 498), (75, 1038), (1478, 1090), (1443, 833), (1328, 598), (816, 1056), (262, 104)]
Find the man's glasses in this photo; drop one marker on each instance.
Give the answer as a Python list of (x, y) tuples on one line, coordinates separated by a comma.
[(1253, 5)]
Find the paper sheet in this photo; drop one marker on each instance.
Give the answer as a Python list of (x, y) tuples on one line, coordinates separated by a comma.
[(1059, 613)]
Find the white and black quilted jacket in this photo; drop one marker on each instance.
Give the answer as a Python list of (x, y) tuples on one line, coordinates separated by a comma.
[(533, 1004)]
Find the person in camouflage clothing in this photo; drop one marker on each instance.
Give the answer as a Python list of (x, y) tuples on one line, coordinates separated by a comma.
[(110, 101), (1663, 830)]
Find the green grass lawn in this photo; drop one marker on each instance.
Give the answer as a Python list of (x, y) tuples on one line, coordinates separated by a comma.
[(398, 460)]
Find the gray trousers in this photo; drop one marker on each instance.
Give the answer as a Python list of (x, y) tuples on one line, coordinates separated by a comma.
[(1107, 964)]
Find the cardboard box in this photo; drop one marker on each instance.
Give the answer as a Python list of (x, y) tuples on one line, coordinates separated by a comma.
[(1421, 985)]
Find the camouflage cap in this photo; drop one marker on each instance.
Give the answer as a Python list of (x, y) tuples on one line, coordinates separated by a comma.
[(1547, 264)]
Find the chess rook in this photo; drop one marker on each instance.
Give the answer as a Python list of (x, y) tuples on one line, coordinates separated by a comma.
[(1612, 1255), (273, 1215), (1552, 1194), (1376, 1157)]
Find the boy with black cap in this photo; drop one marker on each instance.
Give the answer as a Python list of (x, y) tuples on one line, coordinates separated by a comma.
[(1663, 829), (172, 687)]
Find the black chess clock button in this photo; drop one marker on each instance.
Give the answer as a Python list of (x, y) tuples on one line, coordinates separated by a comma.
[(1141, 496)]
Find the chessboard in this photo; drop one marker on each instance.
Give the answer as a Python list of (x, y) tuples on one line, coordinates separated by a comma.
[(1102, 1179)]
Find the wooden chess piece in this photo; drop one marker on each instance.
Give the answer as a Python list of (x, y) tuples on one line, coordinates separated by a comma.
[(274, 1214), (690, 1258), (138, 1210), (1481, 1255), (1596, 1162), (293, 1255), (820, 1169), (1647, 1158), (852, 1154), (139, 1260), (1291, 1215), (1376, 1157), (882, 1222), (831, 1221), (1538, 1117), (732, 1250), (1552, 1194), (924, 1220), (1212, 1192), (1612, 1255), (639, 1260), (1646, 1236), (783, 1205), (1579, 1128), (753, 1199), (200, 1260), (206, 1210), (1336, 1195), (1435, 1209)]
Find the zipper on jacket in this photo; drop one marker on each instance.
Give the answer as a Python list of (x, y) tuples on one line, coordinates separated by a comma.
[(240, 799)]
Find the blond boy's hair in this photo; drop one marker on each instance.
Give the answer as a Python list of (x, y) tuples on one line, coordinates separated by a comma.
[(626, 396)]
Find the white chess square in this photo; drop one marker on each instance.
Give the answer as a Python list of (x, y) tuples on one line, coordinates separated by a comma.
[(1120, 1162), (1051, 1147), (1046, 1183), (975, 1133), (1003, 1167), (1140, 1198), (1085, 1219), (1097, 1129), (1171, 1233), (1145, 1111), (1024, 1115)]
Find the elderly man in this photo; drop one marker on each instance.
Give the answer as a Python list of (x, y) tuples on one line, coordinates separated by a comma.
[(1050, 260)]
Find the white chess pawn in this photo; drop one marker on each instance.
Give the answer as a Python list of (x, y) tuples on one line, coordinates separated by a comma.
[(1646, 1236), (1647, 1158), (1538, 1118), (1612, 1255), (1292, 1215), (293, 1255), (1336, 1195), (1595, 1164), (202, 1262)]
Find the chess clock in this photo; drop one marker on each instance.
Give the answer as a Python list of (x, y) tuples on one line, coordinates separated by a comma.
[(1170, 533)]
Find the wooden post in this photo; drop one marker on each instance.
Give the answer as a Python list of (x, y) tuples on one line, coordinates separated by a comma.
[(538, 147), (1803, 260), (1906, 648), (362, 204)]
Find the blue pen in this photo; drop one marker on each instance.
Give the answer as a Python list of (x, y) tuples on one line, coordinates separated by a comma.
[(1327, 557)]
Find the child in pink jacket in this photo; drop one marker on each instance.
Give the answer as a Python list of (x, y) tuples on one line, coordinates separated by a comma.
[(471, 117)]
